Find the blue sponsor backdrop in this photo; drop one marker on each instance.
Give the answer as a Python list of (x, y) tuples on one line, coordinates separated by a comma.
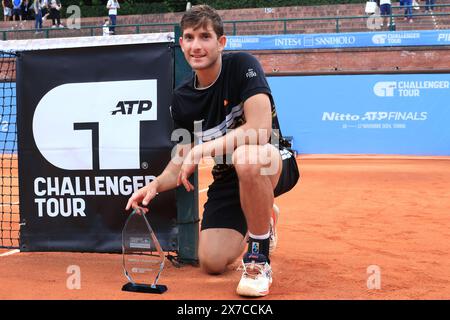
[(335, 114), (365, 114), (339, 40), (8, 131)]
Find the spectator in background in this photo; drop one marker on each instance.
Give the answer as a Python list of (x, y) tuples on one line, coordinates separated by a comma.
[(402, 4), (429, 6), (7, 10), (44, 8), (106, 31), (37, 7), (26, 10), (55, 7), (408, 10), (17, 11), (385, 9), (112, 7)]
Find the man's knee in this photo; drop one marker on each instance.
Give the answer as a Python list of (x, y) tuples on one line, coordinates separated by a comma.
[(246, 162), (253, 161), (212, 263), (214, 256)]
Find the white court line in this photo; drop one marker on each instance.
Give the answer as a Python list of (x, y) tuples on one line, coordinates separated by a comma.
[(203, 190), (9, 253)]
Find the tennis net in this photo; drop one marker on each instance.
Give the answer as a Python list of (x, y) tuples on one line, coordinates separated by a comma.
[(9, 181)]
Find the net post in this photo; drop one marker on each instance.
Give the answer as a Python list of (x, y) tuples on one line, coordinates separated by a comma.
[(187, 202)]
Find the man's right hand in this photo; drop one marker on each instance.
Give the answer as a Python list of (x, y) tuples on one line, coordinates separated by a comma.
[(144, 195)]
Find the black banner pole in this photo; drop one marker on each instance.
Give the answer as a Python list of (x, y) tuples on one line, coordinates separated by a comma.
[(187, 202)]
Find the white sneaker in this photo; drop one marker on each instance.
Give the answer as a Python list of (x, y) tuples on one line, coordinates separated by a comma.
[(273, 228), (257, 276)]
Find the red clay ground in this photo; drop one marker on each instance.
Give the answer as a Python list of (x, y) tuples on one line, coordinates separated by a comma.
[(344, 216)]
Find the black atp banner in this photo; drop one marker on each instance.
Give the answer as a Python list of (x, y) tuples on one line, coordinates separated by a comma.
[(94, 126)]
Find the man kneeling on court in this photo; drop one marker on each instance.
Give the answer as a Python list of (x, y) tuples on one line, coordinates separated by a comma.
[(229, 99)]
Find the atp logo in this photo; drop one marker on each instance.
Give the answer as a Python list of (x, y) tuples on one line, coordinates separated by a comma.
[(96, 125), (127, 107), (385, 88)]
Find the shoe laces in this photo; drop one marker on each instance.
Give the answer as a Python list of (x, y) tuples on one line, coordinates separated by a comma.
[(253, 269)]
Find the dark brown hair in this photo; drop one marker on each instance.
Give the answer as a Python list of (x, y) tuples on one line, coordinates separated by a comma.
[(199, 16)]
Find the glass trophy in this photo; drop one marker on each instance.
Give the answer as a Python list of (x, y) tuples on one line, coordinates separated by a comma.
[(142, 256)]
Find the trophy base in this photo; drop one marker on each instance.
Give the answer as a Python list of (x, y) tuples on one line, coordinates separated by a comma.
[(144, 288)]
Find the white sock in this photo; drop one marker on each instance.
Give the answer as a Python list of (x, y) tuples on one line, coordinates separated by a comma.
[(259, 237)]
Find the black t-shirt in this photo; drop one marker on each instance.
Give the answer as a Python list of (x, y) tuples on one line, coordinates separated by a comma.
[(220, 107)]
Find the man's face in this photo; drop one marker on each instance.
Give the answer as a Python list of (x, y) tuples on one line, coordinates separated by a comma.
[(201, 46)]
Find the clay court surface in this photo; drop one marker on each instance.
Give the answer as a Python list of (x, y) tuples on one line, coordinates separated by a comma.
[(345, 215)]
